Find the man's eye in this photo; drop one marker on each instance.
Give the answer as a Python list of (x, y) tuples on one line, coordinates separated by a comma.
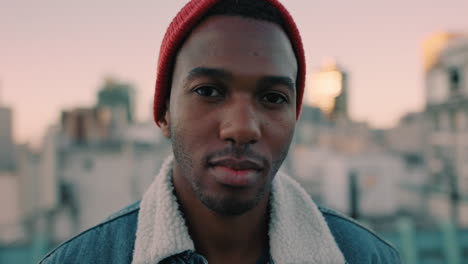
[(208, 91), (274, 98)]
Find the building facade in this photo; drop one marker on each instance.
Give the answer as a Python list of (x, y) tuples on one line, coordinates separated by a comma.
[(6, 139), (328, 90), (117, 96), (446, 83)]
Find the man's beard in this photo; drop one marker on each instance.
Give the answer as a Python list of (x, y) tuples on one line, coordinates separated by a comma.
[(228, 206), (225, 206)]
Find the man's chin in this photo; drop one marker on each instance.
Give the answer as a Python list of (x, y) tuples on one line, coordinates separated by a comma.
[(229, 207)]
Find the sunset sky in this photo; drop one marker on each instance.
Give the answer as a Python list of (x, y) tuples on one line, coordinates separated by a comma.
[(55, 54)]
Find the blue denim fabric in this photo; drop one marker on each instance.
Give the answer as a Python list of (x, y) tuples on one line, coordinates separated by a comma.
[(357, 243), (113, 241)]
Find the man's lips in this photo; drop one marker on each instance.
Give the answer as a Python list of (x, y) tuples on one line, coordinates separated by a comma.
[(236, 172), (237, 164)]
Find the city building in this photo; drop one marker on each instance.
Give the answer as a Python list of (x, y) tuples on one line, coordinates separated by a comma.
[(97, 179), (364, 185), (446, 152), (117, 96), (10, 218), (6, 139), (408, 138), (374, 175), (408, 141), (344, 165), (93, 125), (328, 90), (95, 161), (341, 135), (105, 122)]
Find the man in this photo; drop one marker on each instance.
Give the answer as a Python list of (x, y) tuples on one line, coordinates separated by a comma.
[(228, 94)]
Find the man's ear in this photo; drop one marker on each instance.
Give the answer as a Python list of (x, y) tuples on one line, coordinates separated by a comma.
[(165, 123)]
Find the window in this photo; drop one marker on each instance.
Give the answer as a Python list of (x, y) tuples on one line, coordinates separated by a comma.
[(454, 75), (460, 120), (453, 123), (88, 164), (444, 121), (436, 122)]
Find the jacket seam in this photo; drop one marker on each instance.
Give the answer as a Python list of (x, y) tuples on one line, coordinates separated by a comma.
[(132, 210), (123, 212), (333, 214)]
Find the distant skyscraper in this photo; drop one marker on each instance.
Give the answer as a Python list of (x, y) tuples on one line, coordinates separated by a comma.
[(329, 90), (116, 96), (6, 138)]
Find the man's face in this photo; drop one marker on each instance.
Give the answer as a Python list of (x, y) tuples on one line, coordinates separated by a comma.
[(232, 111)]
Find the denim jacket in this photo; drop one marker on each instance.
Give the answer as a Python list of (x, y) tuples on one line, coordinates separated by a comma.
[(154, 231), (113, 242)]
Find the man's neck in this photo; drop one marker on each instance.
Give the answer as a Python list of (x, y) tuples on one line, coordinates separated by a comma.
[(225, 239)]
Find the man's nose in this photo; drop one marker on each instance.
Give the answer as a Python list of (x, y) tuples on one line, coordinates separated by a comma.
[(240, 124)]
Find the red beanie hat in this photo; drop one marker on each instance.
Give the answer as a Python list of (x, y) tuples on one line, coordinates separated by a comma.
[(181, 26)]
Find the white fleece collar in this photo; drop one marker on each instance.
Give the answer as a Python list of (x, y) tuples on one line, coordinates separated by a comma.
[(298, 232)]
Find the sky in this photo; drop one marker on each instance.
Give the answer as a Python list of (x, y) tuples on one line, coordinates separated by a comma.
[(56, 54)]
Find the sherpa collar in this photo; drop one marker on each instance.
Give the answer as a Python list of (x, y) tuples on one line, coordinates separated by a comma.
[(298, 232)]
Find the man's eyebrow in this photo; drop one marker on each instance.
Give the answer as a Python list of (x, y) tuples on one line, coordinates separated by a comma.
[(220, 73), (274, 80), (208, 72)]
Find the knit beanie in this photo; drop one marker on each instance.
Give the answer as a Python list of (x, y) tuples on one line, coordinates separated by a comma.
[(181, 26)]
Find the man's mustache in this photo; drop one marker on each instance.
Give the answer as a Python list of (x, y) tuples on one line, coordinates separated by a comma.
[(238, 153)]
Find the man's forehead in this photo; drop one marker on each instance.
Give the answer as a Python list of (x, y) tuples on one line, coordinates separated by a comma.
[(228, 39), (252, 32)]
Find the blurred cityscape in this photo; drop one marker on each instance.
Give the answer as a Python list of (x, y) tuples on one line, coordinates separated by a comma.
[(408, 183)]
